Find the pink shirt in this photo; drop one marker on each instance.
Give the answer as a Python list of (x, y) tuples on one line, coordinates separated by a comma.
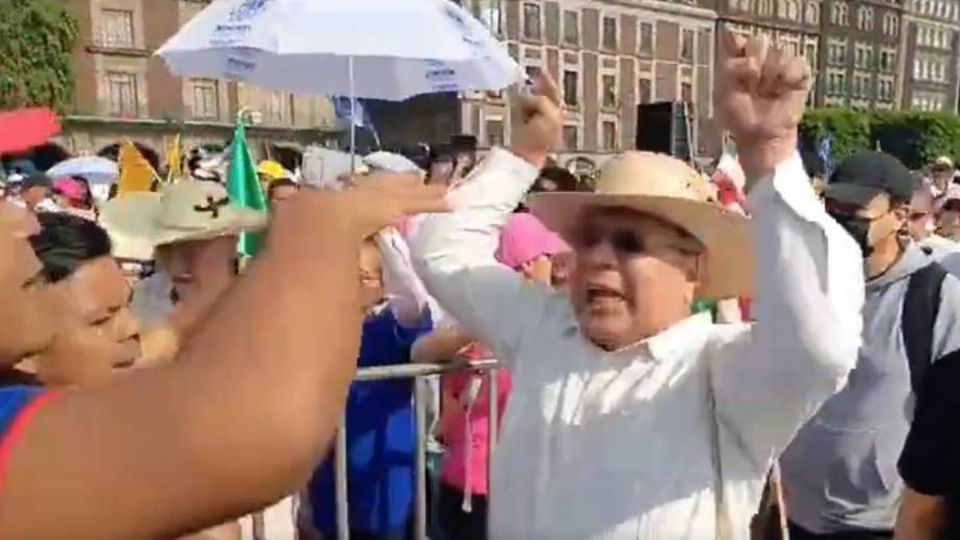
[(466, 432)]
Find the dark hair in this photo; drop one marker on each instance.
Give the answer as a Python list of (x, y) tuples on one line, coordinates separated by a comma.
[(67, 241), (88, 194), (277, 184), (564, 179)]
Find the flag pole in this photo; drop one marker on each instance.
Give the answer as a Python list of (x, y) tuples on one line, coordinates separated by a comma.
[(353, 117)]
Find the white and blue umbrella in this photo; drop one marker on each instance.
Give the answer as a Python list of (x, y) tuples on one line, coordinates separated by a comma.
[(96, 169), (369, 49), (395, 49)]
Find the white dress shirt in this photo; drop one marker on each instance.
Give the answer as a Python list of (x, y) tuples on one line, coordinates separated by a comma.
[(599, 444)]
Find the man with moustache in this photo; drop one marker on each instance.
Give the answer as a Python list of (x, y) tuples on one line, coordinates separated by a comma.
[(631, 418)]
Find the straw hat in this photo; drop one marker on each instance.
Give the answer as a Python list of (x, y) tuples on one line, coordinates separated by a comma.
[(184, 211), (676, 195)]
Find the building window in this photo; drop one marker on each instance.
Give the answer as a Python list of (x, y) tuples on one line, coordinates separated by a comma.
[(837, 52), (116, 28), (793, 10), (836, 82), (571, 82), (279, 109), (861, 85), (885, 90), (645, 37), (865, 18), (863, 58), (205, 101), (812, 13), (571, 136), (571, 28), (122, 99), (644, 90), (494, 130), (610, 33), (687, 45), (839, 14), (810, 52), (686, 92), (764, 8), (531, 21), (891, 24), (609, 89), (609, 135), (491, 13), (888, 60)]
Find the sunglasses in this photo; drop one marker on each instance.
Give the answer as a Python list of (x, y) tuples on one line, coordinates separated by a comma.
[(626, 241)]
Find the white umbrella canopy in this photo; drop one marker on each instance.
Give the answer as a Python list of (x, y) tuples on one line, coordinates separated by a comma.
[(372, 49), (96, 169)]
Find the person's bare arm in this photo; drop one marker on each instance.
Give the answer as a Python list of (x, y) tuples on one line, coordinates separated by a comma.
[(240, 418), (921, 517), (439, 346)]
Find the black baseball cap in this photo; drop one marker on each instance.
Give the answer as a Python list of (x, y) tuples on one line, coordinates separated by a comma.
[(37, 179), (861, 177)]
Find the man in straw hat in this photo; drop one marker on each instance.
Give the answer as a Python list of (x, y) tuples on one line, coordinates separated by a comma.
[(237, 421), (192, 228), (631, 418)]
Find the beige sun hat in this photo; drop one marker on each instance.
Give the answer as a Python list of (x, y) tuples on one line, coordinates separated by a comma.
[(185, 211), (667, 189)]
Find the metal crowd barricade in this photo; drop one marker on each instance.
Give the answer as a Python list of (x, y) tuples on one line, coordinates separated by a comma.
[(418, 372)]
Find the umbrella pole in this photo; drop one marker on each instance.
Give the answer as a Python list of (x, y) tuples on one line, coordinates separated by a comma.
[(353, 118)]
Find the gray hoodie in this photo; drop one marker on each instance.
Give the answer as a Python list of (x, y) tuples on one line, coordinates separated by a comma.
[(840, 472)]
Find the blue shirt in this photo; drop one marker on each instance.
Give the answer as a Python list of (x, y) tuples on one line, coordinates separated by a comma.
[(381, 438), (13, 400)]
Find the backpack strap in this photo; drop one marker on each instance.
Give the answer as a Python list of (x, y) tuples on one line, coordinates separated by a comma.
[(920, 307)]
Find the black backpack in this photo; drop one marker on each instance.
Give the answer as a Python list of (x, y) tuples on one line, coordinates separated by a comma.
[(920, 307)]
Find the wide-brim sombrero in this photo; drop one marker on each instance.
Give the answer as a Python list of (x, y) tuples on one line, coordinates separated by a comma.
[(183, 212), (667, 189)]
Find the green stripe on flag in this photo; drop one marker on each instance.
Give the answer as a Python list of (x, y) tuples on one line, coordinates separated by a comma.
[(244, 187)]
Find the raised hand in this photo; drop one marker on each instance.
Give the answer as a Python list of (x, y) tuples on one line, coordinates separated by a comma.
[(760, 95), (542, 124)]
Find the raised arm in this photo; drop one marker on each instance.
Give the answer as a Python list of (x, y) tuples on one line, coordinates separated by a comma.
[(237, 421), (809, 279), (406, 294), (454, 252)]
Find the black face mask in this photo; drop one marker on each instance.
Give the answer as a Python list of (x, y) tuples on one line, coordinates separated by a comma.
[(858, 228)]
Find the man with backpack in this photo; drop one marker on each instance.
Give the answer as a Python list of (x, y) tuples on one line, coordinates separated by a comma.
[(840, 472)]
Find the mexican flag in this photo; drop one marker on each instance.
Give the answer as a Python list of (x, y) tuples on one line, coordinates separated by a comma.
[(244, 188)]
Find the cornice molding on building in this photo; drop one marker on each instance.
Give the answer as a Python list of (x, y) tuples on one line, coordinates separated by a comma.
[(661, 7), (113, 51), (77, 119), (750, 21)]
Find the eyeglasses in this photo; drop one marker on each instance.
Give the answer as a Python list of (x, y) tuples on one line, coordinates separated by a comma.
[(630, 242)]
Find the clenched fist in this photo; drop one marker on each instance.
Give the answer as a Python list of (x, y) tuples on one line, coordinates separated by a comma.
[(542, 121), (760, 95)]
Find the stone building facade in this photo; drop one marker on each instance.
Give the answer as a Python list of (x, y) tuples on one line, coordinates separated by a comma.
[(123, 91), (930, 45)]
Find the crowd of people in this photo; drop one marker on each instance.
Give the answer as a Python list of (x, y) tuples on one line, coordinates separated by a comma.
[(747, 355)]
